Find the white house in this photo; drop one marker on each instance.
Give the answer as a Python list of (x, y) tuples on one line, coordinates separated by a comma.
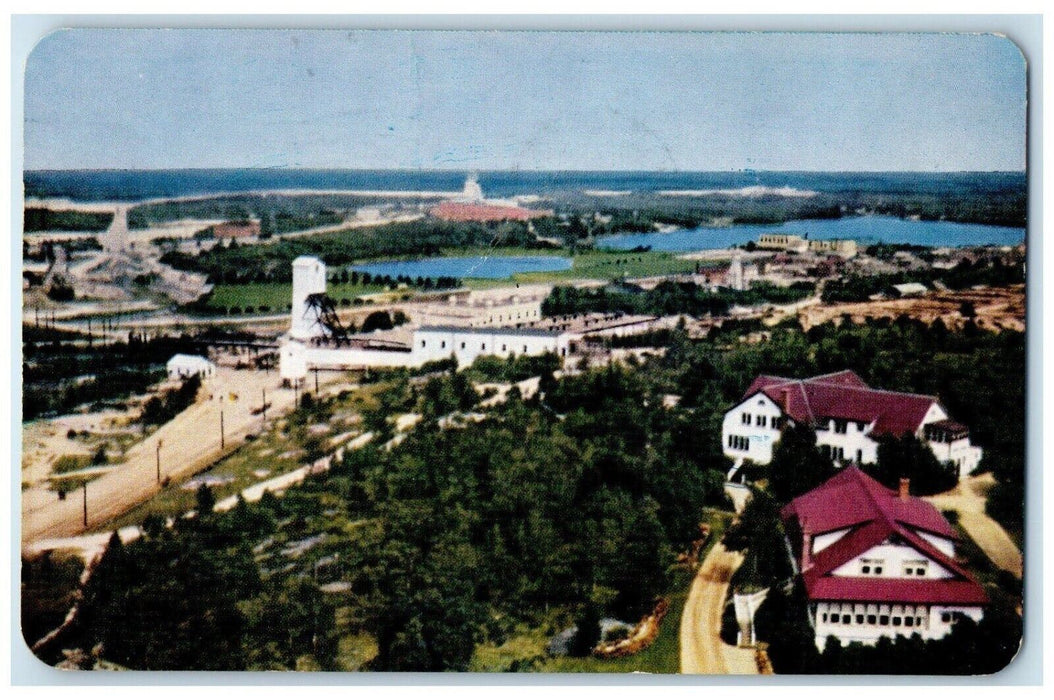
[(848, 417), (877, 562), (184, 366)]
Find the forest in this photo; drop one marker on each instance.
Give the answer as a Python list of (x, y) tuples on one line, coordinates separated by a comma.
[(667, 298)]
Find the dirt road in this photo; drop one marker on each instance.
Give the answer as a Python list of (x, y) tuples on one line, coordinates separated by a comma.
[(702, 650), (189, 443), (968, 499)]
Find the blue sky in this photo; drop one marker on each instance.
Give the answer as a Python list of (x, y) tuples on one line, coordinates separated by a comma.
[(134, 98)]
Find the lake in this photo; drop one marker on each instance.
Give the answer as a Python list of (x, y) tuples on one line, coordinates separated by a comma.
[(481, 267), (864, 229)]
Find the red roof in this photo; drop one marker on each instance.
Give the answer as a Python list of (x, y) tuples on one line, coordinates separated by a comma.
[(844, 395), (460, 211), (874, 514)]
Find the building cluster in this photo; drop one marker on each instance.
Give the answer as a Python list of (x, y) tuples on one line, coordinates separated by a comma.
[(500, 326), (845, 248)]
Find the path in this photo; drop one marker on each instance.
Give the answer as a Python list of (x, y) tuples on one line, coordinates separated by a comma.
[(190, 442), (968, 500), (702, 650)]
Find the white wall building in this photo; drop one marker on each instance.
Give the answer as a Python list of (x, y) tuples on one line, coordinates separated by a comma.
[(877, 562), (184, 366), (309, 277), (848, 417)]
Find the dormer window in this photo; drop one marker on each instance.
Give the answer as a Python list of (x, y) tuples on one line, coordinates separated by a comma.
[(915, 567)]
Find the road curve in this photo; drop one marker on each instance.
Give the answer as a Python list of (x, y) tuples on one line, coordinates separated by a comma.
[(702, 650)]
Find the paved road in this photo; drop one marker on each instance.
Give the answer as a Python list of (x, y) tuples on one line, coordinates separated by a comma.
[(702, 650), (968, 499), (190, 442)]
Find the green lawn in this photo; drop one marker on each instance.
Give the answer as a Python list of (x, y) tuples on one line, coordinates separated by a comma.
[(594, 264), (275, 297)]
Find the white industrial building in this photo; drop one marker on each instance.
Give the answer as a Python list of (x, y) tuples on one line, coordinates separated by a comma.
[(847, 416), (877, 562), (309, 345), (185, 366)]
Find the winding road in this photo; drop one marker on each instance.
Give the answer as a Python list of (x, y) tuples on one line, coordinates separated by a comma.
[(702, 650)]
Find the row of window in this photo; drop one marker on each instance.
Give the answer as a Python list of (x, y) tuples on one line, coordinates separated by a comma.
[(875, 567), (841, 426), (882, 620), (738, 442), (483, 346), (502, 318), (761, 421)]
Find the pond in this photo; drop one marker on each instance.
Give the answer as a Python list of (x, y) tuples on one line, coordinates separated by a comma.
[(863, 229), (480, 267)]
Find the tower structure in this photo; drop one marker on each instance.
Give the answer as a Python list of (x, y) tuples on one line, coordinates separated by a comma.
[(735, 273), (309, 277)]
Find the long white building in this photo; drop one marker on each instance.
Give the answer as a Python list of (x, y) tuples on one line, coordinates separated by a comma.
[(848, 417), (877, 562)]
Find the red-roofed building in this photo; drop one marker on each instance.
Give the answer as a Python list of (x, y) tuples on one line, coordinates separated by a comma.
[(465, 211), (847, 416), (877, 562)]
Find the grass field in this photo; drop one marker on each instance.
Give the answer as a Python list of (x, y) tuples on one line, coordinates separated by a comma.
[(268, 297)]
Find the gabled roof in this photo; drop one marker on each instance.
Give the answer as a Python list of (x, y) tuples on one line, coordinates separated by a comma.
[(874, 514), (844, 395)]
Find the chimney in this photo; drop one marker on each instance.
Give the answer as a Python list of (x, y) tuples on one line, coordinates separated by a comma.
[(785, 400), (905, 488), (806, 550)]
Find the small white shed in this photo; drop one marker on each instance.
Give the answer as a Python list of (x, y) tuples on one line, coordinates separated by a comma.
[(184, 366)]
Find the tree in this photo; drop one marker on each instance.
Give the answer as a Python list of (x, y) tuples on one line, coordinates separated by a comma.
[(205, 500), (782, 622), (377, 321), (907, 457), (797, 465)]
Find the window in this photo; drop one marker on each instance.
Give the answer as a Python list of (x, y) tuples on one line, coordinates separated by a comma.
[(483, 346), (883, 620), (909, 622), (422, 343), (442, 345), (859, 619), (871, 619), (503, 347), (871, 567), (918, 621), (746, 419), (859, 456), (841, 426), (915, 567), (761, 421), (525, 348), (462, 346), (823, 618), (946, 617), (847, 619), (896, 622)]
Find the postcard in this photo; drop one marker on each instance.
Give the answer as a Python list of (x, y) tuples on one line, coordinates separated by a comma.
[(540, 352)]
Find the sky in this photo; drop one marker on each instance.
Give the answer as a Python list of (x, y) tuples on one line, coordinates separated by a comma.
[(186, 98)]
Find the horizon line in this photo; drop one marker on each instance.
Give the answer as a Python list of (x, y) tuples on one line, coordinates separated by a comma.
[(1022, 171)]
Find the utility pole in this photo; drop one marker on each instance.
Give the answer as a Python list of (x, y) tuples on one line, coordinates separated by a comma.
[(158, 454), (223, 443), (263, 406), (84, 490), (316, 382)]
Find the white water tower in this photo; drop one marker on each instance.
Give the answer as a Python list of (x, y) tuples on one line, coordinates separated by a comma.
[(309, 277)]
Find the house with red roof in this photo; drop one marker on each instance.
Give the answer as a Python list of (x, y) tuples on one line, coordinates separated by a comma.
[(877, 562), (848, 417)]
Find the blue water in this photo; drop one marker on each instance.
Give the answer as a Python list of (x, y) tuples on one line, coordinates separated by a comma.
[(134, 185), (863, 229), (496, 267)]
